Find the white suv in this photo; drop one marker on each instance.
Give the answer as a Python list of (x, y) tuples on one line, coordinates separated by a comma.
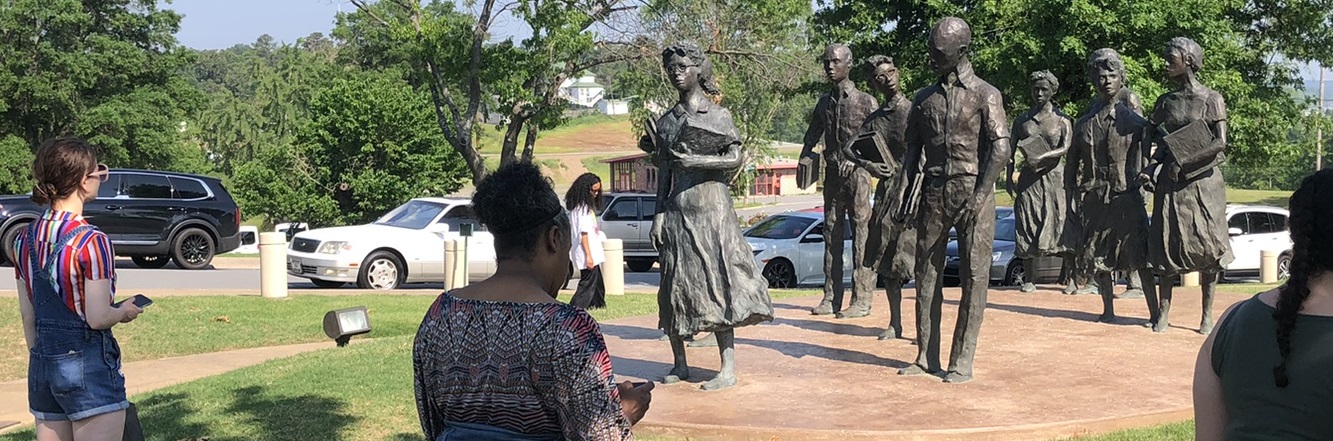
[(404, 246), (1254, 228)]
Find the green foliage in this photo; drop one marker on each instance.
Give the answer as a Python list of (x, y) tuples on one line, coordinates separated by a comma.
[(759, 56), (109, 71), (15, 165), (370, 145), (1013, 38)]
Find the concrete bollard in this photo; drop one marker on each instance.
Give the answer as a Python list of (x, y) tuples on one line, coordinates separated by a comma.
[(273, 265), (459, 270), (1268, 266), (450, 260), (613, 271), (1190, 279)]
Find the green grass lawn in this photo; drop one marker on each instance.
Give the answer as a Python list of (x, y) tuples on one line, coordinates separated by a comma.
[(595, 165), (361, 392)]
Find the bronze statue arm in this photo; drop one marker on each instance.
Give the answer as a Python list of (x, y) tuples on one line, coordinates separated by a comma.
[(729, 159), (814, 132)]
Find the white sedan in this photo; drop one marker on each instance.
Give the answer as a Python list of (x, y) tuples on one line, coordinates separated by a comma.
[(404, 246), (789, 247)]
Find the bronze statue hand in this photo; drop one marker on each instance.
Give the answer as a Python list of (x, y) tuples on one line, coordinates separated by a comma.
[(656, 232), (882, 171), (646, 144), (972, 206), (845, 168)]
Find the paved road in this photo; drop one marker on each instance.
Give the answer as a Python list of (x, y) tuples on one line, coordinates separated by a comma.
[(131, 278)]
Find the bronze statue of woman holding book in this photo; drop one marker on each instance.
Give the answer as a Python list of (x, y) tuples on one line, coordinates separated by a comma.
[(1043, 135), (1188, 126), (710, 282)]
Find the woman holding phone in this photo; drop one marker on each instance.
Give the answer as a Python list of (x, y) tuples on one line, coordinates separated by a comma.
[(66, 281)]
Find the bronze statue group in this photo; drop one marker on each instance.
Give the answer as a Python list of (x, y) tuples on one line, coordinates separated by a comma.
[(1081, 193)]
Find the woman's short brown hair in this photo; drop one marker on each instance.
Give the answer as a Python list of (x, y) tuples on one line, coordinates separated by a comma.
[(60, 167)]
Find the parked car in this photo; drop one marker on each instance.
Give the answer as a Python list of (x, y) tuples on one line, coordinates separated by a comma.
[(249, 241), (406, 245), (1254, 228), (629, 217), (153, 217), (1006, 269), (1000, 213), (789, 247)]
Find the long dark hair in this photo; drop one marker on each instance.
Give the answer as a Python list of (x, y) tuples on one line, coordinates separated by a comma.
[(581, 193), (1311, 225)]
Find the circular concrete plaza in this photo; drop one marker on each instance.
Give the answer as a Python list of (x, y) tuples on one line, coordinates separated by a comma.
[(1044, 369)]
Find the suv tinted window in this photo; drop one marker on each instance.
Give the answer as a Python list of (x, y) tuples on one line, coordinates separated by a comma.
[(188, 189), (110, 188), (145, 186), (1260, 223), (623, 209), (648, 206), (1279, 222)]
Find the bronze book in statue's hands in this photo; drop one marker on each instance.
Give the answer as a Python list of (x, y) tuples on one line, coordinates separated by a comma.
[(1033, 148), (695, 138), (649, 142), (1189, 144), (871, 147), (807, 172)]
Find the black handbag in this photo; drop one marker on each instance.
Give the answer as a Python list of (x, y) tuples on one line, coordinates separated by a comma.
[(133, 429)]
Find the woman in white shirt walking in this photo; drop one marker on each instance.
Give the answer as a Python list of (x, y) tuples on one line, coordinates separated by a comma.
[(581, 200)]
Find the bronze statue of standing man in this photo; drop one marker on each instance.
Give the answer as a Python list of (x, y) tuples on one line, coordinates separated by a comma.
[(891, 247), (1189, 223), (958, 134), (837, 119)]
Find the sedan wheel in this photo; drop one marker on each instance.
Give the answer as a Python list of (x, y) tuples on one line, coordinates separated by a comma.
[(1015, 275), (381, 271), (780, 274)]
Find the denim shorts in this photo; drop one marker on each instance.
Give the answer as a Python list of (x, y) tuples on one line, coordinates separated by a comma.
[(74, 373)]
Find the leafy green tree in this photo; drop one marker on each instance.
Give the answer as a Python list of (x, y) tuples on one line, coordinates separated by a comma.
[(109, 71), (1244, 44), (759, 54), (451, 54), (371, 143)]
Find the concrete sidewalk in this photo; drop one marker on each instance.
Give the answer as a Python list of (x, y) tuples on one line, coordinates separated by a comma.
[(148, 375)]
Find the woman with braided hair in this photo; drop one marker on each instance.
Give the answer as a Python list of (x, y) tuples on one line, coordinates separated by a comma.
[(1248, 387)]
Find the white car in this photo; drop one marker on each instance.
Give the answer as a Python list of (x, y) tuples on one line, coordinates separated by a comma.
[(789, 247), (404, 246), (1253, 229)]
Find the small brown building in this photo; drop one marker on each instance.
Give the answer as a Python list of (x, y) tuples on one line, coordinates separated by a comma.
[(634, 173)]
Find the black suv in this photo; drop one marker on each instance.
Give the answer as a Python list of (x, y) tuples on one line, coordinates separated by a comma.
[(150, 216)]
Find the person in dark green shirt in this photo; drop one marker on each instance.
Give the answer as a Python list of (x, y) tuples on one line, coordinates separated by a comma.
[(1266, 371)]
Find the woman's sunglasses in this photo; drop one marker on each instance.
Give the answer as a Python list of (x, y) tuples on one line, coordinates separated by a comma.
[(103, 173)]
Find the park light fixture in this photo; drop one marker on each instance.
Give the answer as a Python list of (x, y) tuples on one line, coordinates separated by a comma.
[(341, 324)]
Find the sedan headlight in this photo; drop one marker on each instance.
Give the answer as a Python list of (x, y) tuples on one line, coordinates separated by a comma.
[(995, 256), (334, 247)]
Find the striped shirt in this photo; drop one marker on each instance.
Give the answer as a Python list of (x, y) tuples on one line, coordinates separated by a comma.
[(88, 257)]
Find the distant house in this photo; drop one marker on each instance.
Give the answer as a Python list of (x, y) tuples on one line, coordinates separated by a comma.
[(634, 173), (582, 91), (609, 106)]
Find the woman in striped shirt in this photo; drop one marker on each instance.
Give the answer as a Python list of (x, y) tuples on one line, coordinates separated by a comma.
[(66, 273)]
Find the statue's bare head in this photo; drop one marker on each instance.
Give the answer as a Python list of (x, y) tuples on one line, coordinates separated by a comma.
[(948, 44), (837, 62)]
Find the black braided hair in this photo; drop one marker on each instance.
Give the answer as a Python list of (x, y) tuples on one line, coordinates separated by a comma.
[(1311, 224), (517, 205)]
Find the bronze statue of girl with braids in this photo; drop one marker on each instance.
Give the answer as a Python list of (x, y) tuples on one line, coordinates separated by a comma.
[(1248, 387)]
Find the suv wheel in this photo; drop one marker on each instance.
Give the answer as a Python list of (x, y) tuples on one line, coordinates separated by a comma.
[(640, 265), (192, 249), (7, 246), (151, 262), (381, 271)]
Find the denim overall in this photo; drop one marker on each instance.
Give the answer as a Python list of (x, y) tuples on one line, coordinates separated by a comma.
[(73, 370)]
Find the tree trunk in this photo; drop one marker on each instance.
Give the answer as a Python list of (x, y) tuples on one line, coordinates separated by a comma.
[(530, 142), (509, 150)]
